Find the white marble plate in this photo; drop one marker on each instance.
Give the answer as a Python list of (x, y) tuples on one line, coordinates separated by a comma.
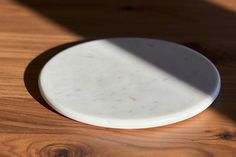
[(129, 83)]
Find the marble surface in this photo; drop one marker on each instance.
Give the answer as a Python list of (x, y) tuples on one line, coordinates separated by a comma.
[(129, 82)]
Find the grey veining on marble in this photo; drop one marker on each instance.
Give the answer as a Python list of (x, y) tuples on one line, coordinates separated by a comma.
[(129, 82)]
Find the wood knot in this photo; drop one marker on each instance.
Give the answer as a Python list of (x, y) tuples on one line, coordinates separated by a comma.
[(61, 153), (208, 131), (226, 135), (64, 150)]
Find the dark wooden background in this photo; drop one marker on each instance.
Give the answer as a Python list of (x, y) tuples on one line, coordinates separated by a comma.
[(32, 31)]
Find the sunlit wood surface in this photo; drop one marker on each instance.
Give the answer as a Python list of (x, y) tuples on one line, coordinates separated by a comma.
[(28, 127)]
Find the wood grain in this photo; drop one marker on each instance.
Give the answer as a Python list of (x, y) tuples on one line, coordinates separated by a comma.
[(33, 31)]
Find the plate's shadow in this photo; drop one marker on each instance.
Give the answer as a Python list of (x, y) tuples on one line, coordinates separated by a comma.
[(33, 69)]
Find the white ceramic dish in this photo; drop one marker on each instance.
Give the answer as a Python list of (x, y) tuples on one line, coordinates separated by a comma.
[(129, 83)]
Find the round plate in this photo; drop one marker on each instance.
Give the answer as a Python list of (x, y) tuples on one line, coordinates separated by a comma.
[(129, 82)]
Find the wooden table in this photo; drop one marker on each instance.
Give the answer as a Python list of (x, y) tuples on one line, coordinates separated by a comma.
[(31, 32)]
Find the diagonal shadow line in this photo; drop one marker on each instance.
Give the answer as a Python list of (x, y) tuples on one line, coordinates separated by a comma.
[(83, 23), (171, 62)]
